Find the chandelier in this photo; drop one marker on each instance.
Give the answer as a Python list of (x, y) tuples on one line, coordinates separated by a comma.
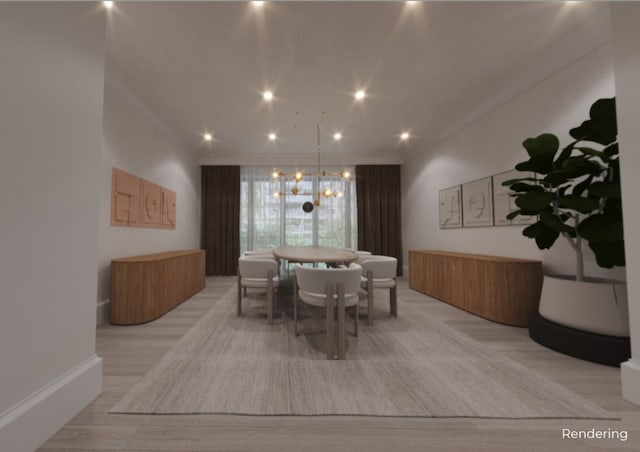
[(298, 176)]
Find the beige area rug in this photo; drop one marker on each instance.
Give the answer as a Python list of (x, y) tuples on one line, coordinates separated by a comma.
[(410, 366)]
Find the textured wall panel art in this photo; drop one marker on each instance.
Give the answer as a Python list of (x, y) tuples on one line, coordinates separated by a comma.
[(477, 203), (449, 208), (125, 199), (151, 208), (138, 202), (168, 209), (504, 204)]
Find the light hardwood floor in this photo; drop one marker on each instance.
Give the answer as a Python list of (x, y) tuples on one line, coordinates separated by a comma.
[(128, 352)]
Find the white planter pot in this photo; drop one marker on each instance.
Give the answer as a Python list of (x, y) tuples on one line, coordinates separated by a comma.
[(596, 306)]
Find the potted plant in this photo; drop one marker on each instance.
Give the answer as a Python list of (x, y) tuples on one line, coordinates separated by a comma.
[(575, 194)]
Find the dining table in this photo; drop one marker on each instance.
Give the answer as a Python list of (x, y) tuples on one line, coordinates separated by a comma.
[(314, 254)]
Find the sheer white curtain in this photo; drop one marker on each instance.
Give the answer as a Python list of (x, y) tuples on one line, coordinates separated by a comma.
[(268, 221)]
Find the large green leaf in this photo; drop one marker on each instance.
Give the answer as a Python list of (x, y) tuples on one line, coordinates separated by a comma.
[(609, 254), (509, 182), (544, 236), (601, 228), (564, 155), (542, 145), (593, 153), (555, 222), (534, 201), (578, 203), (581, 187), (601, 127), (522, 187), (575, 169), (513, 214), (605, 190)]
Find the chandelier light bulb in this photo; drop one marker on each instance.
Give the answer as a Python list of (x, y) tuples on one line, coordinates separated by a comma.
[(298, 176), (345, 174), (339, 194)]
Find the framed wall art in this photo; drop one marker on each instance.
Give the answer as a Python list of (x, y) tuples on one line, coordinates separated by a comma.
[(477, 203), (504, 203), (449, 207)]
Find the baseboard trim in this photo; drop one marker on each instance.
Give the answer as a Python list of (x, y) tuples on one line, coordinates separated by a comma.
[(630, 374), (102, 312), (28, 424)]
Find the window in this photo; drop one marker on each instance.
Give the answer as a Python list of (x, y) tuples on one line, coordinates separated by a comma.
[(267, 220)]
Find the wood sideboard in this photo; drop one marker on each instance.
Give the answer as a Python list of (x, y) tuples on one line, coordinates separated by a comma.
[(502, 289), (144, 288)]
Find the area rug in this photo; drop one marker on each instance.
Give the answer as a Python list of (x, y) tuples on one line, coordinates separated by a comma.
[(414, 365)]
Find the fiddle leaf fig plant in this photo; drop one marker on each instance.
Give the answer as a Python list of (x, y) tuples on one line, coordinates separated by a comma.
[(576, 191)]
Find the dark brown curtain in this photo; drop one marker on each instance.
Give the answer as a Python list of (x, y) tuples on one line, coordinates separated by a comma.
[(221, 218), (379, 194)]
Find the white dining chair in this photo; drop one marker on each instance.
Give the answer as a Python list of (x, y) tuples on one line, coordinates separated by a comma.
[(379, 272), (329, 288), (260, 274)]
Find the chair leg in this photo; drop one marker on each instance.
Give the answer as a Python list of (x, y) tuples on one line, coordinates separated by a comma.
[(393, 301), (370, 296), (329, 320), (355, 320), (270, 297), (341, 326), (295, 304), (239, 307)]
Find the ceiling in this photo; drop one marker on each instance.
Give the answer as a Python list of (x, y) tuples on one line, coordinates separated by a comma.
[(428, 68)]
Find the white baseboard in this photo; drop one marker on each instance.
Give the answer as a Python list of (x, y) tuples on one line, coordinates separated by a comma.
[(630, 373), (28, 424), (102, 312)]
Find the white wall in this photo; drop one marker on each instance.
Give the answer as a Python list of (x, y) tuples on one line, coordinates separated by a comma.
[(51, 79), (136, 142), (625, 39), (494, 144)]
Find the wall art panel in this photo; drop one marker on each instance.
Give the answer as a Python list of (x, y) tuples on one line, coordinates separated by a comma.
[(139, 202), (504, 203), (450, 209), (477, 203)]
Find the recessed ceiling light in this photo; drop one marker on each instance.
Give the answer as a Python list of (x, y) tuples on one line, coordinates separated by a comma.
[(404, 136), (411, 3), (208, 137), (267, 95), (107, 4), (360, 94), (337, 136), (257, 3), (272, 136)]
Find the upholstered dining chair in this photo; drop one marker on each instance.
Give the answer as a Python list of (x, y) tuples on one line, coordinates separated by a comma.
[(329, 288), (260, 274), (379, 272)]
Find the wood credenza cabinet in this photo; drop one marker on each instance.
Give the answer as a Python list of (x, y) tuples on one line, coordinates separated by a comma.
[(502, 289), (144, 288)]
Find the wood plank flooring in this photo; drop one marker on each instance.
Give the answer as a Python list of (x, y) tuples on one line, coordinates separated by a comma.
[(129, 351)]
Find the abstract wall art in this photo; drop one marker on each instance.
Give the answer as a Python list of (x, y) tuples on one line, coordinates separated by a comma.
[(138, 202), (450, 208), (477, 203), (503, 202)]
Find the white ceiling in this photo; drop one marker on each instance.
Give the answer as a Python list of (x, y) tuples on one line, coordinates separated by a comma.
[(429, 68)]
